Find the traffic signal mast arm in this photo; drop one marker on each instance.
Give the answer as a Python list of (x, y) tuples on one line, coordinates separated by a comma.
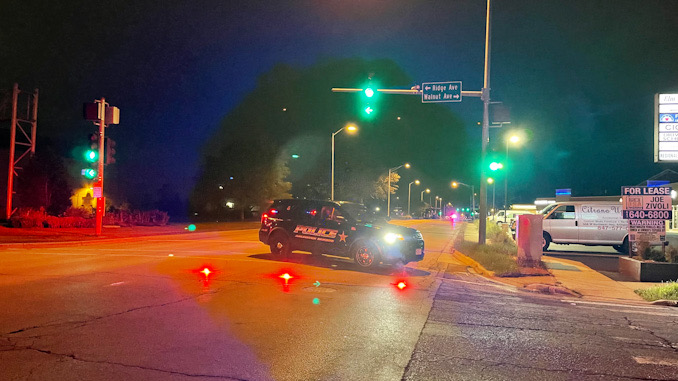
[(476, 94)]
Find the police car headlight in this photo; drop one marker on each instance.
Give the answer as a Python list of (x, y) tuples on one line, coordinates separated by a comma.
[(392, 238)]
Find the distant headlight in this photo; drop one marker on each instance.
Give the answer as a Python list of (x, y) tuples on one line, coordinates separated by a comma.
[(391, 238)]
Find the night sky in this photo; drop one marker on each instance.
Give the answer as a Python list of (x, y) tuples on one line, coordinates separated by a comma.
[(579, 75)]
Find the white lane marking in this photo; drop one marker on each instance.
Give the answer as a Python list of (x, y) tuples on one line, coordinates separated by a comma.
[(501, 286), (116, 284), (608, 304), (655, 361), (625, 308)]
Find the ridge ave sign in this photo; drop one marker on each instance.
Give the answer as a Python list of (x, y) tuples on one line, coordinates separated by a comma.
[(435, 92)]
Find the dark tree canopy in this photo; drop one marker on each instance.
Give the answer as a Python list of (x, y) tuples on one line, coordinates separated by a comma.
[(293, 111), (44, 183)]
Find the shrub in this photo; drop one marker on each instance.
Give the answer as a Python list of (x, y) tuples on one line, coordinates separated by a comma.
[(497, 258), (497, 234), (671, 254), (127, 218), (78, 212), (667, 290), (29, 218)]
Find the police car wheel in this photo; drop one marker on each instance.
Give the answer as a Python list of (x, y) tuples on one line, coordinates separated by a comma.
[(280, 245), (365, 255)]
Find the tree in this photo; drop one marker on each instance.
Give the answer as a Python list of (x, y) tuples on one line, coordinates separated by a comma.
[(248, 173), (44, 182), (293, 111), (380, 188)]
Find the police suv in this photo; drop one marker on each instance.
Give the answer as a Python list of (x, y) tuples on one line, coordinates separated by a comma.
[(338, 228)]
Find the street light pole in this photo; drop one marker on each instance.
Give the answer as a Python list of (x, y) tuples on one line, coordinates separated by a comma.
[(512, 139), (473, 195), (493, 190), (388, 191), (349, 127), (422, 193), (506, 182), (409, 194)]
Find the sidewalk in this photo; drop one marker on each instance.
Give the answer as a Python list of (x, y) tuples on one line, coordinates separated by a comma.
[(571, 275)]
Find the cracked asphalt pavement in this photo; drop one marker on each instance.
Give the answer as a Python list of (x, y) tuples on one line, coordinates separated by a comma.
[(478, 330), (140, 309)]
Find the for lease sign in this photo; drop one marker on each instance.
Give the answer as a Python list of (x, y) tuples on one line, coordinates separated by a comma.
[(646, 203)]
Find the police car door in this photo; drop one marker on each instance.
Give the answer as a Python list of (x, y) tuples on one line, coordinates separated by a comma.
[(333, 227), (305, 226)]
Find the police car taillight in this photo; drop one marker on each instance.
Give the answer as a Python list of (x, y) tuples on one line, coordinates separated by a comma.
[(271, 212)]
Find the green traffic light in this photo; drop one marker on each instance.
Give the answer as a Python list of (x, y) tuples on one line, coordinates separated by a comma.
[(495, 166), (91, 156), (368, 110), (369, 92), (89, 173)]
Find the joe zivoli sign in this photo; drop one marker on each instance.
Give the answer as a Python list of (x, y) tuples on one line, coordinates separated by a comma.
[(646, 208)]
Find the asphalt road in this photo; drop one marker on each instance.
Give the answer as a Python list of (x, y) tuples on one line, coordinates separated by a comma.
[(479, 330), (140, 309)]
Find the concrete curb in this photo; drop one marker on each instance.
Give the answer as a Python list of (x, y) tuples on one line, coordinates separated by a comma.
[(549, 289), (472, 263), (664, 302)]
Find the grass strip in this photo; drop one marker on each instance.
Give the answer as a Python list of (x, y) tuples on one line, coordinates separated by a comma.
[(667, 291)]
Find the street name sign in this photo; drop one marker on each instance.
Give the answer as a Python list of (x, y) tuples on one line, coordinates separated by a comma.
[(436, 92), (665, 128)]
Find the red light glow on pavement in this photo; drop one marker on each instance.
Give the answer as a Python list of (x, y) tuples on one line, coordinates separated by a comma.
[(285, 276), (206, 273)]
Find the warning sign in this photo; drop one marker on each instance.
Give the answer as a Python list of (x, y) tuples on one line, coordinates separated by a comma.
[(647, 230)]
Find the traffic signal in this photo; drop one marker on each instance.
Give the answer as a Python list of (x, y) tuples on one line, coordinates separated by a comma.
[(109, 147), (368, 100), (92, 157), (494, 166), (92, 152)]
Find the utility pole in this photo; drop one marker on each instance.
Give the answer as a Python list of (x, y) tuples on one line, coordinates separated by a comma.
[(435, 92), (28, 116)]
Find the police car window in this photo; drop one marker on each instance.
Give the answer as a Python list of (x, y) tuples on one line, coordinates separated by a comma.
[(327, 213)]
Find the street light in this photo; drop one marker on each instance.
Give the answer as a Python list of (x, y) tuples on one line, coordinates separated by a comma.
[(409, 194), (350, 128), (388, 192), (455, 184), (422, 193), (512, 139)]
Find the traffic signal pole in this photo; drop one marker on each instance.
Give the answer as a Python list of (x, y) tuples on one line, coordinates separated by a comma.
[(99, 185), (484, 95)]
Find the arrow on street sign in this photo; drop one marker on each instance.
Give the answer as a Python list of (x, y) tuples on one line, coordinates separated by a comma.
[(436, 92)]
